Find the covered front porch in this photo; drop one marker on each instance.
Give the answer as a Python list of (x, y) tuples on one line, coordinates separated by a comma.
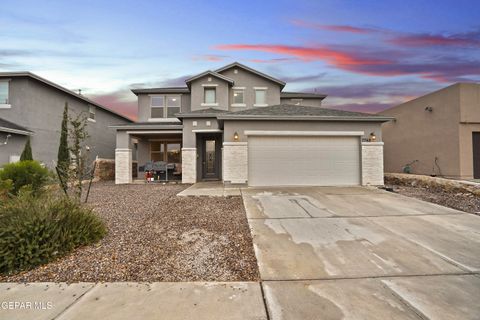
[(157, 148)]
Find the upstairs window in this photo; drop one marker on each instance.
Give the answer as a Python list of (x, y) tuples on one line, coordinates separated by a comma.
[(210, 95), (4, 92), (238, 97), (260, 97), (91, 113), (165, 106)]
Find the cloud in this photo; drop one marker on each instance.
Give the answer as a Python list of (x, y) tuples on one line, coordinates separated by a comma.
[(306, 78), (336, 28), (210, 57), (169, 82), (471, 39), (276, 60), (374, 62), (122, 101)]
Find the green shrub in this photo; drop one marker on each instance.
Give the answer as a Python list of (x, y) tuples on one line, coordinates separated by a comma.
[(6, 187), (25, 173), (37, 229)]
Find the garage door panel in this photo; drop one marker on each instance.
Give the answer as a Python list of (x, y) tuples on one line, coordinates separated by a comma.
[(280, 160)]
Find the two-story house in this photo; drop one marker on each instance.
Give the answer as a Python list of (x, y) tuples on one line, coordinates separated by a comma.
[(235, 124), (33, 106)]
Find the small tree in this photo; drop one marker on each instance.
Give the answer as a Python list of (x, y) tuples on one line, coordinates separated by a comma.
[(63, 161), (79, 169), (27, 151)]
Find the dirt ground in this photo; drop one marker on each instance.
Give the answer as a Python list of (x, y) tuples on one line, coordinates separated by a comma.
[(463, 201), (153, 235)]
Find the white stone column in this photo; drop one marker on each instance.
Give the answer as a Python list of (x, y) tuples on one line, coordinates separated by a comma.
[(123, 165), (189, 165), (235, 162), (372, 163)]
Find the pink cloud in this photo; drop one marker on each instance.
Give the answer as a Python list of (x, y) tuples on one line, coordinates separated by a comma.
[(427, 40), (336, 28), (117, 103), (210, 57)]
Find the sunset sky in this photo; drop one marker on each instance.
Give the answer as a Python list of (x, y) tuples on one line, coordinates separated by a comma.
[(366, 55)]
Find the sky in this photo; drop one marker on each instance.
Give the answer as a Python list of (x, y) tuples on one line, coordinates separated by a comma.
[(366, 55)]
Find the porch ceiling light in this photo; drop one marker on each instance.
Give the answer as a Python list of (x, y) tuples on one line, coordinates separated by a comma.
[(235, 136), (373, 137)]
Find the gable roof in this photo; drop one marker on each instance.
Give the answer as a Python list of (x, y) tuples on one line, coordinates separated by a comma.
[(59, 87), (162, 90), (294, 112), (302, 95), (261, 74), (209, 72), (10, 127)]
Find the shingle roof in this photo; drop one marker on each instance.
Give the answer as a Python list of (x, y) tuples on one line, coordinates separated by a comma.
[(59, 87), (162, 90), (302, 95), (7, 126), (210, 112), (293, 112)]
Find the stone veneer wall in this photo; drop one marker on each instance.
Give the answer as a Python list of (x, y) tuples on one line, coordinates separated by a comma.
[(372, 163), (123, 166), (189, 165), (105, 169), (235, 162)]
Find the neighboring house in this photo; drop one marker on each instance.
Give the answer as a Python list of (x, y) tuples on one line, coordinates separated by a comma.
[(33, 106), (233, 124), (436, 134)]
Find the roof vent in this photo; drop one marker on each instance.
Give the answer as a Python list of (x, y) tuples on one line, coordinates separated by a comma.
[(429, 109)]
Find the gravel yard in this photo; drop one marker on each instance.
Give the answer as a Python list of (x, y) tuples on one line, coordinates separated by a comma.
[(463, 201), (153, 235)]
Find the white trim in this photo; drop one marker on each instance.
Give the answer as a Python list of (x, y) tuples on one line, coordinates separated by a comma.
[(9, 130), (5, 106), (91, 120), (235, 143), (302, 133), (209, 85), (260, 88), (261, 105), (238, 88), (189, 149), (163, 120), (208, 104), (238, 105), (376, 143), (155, 132), (207, 130)]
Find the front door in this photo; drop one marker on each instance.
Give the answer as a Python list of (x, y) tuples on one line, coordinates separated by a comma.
[(210, 158), (476, 154)]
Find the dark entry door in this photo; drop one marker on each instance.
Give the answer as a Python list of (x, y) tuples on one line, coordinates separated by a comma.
[(211, 158), (476, 154)]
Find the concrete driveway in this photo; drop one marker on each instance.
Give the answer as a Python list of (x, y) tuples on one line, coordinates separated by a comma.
[(363, 253)]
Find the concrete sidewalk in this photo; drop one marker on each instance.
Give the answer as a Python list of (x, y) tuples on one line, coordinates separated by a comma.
[(123, 300), (211, 189)]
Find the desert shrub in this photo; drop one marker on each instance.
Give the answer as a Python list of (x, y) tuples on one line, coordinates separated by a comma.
[(6, 187), (37, 229), (25, 173)]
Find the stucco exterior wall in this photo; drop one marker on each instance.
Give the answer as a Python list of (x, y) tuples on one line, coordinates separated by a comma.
[(419, 134), (249, 80), (197, 93), (14, 147), (39, 107), (230, 127), (189, 137)]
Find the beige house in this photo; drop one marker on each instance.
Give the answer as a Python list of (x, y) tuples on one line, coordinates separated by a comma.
[(436, 134), (235, 124)]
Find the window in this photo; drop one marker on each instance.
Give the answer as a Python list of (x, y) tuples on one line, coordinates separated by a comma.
[(260, 97), (238, 97), (165, 106), (4, 92), (91, 113), (210, 95), (170, 152)]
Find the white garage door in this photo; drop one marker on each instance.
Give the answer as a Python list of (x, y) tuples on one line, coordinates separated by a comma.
[(299, 160)]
